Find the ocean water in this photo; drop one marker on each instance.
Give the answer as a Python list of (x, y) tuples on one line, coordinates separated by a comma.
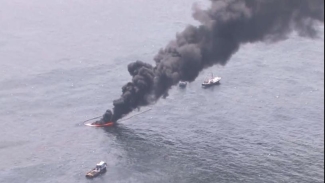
[(62, 62)]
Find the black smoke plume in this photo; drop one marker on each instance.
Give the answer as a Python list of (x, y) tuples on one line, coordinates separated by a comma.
[(225, 26)]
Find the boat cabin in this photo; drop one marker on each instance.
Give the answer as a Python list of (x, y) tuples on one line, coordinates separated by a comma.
[(182, 84), (101, 165)]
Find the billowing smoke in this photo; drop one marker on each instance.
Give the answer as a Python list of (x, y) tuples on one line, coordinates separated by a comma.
[(225, 26)]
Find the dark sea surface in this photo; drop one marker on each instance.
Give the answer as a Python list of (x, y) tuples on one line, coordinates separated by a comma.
[(62, 62)]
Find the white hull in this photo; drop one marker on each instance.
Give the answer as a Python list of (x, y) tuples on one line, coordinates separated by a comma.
[(211, 82)]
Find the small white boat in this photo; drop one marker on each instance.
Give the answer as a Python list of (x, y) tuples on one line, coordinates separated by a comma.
[(182, 84), (211, 81), (100, 169)]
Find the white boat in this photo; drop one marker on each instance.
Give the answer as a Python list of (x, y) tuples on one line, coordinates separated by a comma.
[(211, 81), (98, 170), (182, 84)]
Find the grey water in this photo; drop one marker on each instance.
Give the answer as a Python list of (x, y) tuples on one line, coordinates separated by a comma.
[(62, 62)]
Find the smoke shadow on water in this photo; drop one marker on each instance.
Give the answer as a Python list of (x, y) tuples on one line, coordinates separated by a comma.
[(121, 132), (139, 156), (149, 157)]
